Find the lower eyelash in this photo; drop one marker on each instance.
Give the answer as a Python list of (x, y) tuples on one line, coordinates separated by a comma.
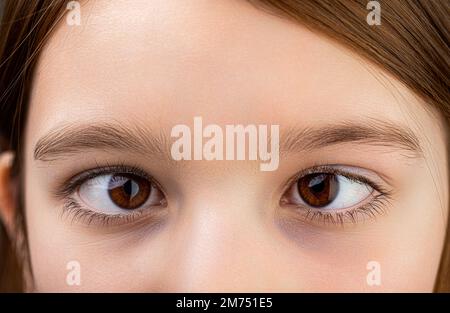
[(73, 210), (376, 207)]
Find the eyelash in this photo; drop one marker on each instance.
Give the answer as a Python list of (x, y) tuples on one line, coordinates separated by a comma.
[(73, 209), (372, 209), (377, 206), (88, 217)]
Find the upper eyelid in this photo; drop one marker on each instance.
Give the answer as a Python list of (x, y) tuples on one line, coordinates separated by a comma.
[(333, 169), (76, 180), (68, 186)]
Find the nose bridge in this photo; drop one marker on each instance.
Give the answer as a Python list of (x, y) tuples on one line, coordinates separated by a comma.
[(218, 247)]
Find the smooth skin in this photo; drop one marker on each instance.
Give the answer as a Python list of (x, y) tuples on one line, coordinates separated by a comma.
[(159, 63)]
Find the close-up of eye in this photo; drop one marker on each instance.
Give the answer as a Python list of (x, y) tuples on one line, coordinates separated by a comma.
[(113, 192), (333, 194), (119, 192)]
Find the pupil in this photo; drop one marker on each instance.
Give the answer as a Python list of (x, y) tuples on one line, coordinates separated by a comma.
[(317, 184), (130, 188)]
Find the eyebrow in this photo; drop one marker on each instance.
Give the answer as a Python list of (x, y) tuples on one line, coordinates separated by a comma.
[(73, 139), (371, 133)]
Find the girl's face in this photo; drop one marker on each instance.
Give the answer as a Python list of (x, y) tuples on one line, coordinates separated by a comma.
[(358, 201)]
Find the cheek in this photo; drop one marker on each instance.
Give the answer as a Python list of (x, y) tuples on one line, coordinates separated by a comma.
[(43, 239), (401, 248), (48, 242), (411, 242), (105, 262), (414, 235)]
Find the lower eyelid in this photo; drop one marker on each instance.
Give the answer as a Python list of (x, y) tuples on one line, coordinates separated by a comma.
[(75, 212), (378, 206)]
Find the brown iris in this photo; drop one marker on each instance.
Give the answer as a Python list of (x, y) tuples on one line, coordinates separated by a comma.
[(319, 189), (129, 191)]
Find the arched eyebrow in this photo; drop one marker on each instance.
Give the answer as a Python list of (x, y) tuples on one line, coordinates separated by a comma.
[(73, 139)]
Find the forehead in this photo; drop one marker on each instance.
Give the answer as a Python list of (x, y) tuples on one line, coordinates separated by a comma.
[(165, 61)]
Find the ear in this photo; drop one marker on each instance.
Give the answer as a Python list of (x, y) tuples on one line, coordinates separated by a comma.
[(7, 199)]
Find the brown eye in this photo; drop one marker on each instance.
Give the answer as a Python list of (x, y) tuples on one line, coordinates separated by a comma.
[(118, 192), (318, 189), (128, 191)]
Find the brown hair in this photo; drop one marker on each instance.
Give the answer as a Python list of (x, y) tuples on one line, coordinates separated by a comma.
[(412, 44)]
